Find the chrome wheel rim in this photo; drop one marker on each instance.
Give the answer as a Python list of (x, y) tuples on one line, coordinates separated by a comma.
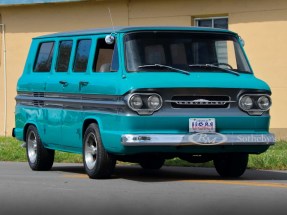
[(91, 148), (32, 147)]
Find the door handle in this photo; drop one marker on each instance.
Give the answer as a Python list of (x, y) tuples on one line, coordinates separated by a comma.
[(83, 83), (64, 83)]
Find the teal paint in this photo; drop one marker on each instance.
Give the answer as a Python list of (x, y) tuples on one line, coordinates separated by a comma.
[(60, 127)]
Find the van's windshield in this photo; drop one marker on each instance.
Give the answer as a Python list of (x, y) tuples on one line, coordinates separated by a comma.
[(170, 51)]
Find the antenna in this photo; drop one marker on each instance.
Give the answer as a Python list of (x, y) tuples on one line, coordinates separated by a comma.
[(111, 20), (110, 39)]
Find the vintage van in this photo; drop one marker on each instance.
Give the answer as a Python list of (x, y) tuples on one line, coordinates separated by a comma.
[(143, 95)]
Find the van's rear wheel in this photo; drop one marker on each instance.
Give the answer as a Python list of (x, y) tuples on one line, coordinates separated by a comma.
[(39, 158), (97, 162), (231, 165), (152, 164)]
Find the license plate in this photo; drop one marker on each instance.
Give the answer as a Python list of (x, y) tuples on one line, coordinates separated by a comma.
[(202, 125)]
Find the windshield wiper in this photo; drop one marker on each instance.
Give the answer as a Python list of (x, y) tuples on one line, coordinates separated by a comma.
[(164, 66), (216, 67)]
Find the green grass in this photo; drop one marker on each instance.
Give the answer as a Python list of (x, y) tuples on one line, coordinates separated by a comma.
[(11, 150), (274, 158)]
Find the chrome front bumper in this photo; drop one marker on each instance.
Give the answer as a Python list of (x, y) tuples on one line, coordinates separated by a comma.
[(197, 139)]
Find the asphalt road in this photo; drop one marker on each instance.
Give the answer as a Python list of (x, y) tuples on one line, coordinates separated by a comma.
[(172, 190)]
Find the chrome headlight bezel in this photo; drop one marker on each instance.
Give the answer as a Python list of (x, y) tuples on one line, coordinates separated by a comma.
[(241, 105), (149, 102), (260, 105), (146, 108), (256, 109), (131, 103)]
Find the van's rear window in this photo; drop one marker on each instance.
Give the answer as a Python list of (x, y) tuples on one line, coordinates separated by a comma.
[(44, 57)]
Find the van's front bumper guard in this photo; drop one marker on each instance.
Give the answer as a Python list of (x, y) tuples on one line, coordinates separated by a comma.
[(206, 139)]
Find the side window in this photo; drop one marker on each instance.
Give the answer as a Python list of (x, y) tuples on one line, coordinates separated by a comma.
[(64, 55), (115, 60), (44, 57), (106, 57), (82, 55)]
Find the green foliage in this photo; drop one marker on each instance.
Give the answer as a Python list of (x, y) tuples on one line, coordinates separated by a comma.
[(11, 150), (274, 158)]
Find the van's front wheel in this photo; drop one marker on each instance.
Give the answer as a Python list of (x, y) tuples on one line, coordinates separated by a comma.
[(231, 165), (39, 158), (97, 162)]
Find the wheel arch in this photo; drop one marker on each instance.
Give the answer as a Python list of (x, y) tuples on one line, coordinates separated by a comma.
[(26, 128), (87, 122)]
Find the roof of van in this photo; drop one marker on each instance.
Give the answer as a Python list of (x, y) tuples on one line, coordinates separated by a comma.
[(124, 29)]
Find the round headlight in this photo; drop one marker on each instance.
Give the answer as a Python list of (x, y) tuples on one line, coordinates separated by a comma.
[(246, 103), (154, 102), (136, 102), (264, 102)]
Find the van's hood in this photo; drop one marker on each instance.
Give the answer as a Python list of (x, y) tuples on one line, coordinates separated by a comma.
[(143, 80)]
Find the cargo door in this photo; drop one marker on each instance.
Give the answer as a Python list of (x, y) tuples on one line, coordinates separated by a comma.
[(55, 93), (72, 119)]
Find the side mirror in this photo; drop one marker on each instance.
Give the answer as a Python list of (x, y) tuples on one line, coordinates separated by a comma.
[(242, 42), (109, 39)]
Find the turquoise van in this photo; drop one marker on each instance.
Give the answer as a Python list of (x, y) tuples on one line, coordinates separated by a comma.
[(143, 95)]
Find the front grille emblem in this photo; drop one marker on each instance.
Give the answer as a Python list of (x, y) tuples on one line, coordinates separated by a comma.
[(198, 102), (205, 101)]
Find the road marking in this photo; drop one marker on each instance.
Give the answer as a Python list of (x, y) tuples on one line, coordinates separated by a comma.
[(224, 182), (244, 183), (75, 176)]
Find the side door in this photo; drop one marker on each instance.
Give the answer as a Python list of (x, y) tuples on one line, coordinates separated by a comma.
[(79, 72), (55, 86)]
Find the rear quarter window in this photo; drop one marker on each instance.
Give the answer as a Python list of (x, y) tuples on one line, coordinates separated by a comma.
[(44, 57)]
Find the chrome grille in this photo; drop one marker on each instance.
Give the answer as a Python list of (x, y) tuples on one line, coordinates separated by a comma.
[(200, 101)]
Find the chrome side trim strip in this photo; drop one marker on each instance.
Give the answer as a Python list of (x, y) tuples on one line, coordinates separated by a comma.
[(202, 139), (76, 101), (64, 100)]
